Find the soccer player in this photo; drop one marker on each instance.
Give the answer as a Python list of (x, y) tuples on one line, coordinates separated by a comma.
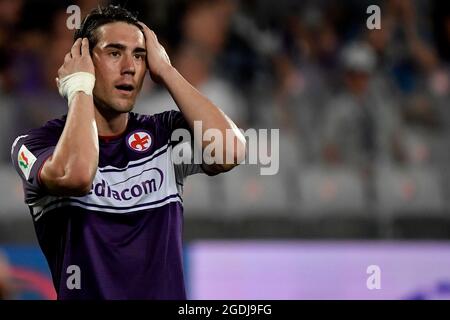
[(100, 183)]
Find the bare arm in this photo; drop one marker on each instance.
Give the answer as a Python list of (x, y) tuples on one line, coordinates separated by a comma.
[(72, 167), (193, 105)]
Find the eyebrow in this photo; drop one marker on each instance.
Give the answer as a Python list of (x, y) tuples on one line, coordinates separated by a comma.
[(123, 47)]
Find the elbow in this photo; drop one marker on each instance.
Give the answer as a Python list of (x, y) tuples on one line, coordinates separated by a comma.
[(78, 179), (82, 185), (230, 158), (241, 152), (238, 155), (69, 181), (77, 185)]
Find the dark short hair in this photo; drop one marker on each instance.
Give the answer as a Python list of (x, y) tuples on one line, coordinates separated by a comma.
[(101, 16)]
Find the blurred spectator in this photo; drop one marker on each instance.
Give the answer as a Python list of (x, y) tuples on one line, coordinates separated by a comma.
[(305, 74), (37, 64), (422, 131), (361, 125), (204, 29), (408, 61), (339, 93), (404, 43), (10, 17)]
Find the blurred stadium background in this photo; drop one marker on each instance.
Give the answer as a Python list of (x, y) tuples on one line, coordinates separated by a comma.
[(364, 143)]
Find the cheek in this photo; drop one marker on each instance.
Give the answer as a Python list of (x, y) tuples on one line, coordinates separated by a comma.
[(142, 67), (103, 78), (103, 71), (141, 74)]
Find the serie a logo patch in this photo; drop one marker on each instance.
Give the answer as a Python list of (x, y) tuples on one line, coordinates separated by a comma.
[(139, 141), (25, 160)]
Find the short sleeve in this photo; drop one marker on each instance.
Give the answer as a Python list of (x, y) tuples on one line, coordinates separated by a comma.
[(28, 155), (173, 120)]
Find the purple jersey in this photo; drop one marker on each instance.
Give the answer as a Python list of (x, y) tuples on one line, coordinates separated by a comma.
[(125, 236)]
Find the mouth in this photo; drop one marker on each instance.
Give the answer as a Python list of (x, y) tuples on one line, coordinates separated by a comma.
[(126, 89)]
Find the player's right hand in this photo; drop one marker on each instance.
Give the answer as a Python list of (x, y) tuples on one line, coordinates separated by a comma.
[(77, 60)]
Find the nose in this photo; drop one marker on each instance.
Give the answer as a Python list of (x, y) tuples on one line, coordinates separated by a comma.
[(127, 66)]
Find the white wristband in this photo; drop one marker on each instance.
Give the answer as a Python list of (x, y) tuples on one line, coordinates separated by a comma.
[(78, 81)]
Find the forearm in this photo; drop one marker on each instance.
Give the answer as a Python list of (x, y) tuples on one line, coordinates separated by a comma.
[(75, 159), (196, 107)]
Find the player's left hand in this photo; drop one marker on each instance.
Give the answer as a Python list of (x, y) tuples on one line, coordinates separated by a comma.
[(158, 61)]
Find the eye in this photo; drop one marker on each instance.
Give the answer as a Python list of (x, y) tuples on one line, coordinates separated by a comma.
[(139, 56), (114, 54)]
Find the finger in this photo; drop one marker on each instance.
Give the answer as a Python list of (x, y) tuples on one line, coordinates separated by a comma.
[(149, 34), (85, 47), (154, 38), (144, 26), (75, 51), (151, 39), (67, 57), (57, 82), (146, 30), (167, 56)]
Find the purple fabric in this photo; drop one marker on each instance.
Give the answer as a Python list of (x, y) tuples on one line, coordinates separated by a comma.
[(129, 255)]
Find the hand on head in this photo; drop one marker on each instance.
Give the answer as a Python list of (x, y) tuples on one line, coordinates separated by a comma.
[(77, 72), (157, 59)]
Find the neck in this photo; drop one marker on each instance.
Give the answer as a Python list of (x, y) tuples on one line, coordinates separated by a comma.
[(110, 124)]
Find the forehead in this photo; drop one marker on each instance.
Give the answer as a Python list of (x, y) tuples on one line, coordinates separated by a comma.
[(120, 32)]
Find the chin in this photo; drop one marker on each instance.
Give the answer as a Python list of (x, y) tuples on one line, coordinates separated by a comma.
[(124, 109), (114, 105), (123, 106)]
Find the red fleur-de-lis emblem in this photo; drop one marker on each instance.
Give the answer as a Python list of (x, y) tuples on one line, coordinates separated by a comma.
[(142, 142), (139, 141)]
